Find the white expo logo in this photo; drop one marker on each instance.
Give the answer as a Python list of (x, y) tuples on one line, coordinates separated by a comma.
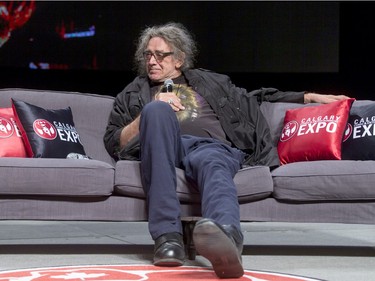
[(306, 127)]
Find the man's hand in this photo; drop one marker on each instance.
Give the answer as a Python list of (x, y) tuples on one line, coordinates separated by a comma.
[(319, 98), (172, 99)]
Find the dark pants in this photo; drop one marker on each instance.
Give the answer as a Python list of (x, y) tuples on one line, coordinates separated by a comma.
[(208, 163)]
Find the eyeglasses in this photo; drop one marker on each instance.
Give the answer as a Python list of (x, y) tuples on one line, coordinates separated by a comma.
[(159, 56)]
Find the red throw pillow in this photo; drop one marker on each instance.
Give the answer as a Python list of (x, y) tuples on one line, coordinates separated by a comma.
[(314, 132), (47, 133), (11, 144)]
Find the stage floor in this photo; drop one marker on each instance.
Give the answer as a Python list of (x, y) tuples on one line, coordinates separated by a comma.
[(334, 252)]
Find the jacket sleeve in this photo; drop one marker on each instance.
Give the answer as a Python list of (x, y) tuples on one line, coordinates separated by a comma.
[(262, 94), (274, 95), (118, 119)]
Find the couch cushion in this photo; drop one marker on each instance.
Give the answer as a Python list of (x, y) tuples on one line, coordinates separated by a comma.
[(47, 133), (327, 180), (304, 129), (11, 144), (90, 113), (252, 183), (61, 177), (359, 140)]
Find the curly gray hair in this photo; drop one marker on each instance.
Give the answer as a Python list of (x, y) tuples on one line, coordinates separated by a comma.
[(176, 35)]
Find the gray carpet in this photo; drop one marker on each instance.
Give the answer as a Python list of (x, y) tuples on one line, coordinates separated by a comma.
[(334, 252)]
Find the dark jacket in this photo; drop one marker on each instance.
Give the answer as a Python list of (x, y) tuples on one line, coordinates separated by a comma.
[(237, 109)]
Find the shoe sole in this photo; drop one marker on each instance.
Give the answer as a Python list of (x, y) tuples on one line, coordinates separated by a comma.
[(168, 262), (213, 244)]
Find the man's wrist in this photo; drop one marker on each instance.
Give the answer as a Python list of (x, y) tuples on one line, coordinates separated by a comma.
[(129, 131), (308, 97)]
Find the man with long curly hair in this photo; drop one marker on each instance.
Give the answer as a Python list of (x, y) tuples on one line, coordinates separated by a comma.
[(204, 125)]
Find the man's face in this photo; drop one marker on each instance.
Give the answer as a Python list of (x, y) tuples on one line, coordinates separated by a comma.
[(160, 62)]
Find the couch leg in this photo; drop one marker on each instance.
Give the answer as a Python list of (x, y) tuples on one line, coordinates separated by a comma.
[(188, 224)]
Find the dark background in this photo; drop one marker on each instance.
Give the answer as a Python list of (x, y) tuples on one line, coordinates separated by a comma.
[(317, 46)]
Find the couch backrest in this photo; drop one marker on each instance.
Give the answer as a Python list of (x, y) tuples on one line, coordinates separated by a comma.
[(90, 113)]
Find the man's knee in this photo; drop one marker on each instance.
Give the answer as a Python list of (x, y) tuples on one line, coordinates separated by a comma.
[(159, 120), (155, 109)]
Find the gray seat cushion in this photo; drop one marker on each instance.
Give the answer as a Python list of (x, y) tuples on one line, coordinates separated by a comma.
[(252, 183), (325, 181), (55, 177)]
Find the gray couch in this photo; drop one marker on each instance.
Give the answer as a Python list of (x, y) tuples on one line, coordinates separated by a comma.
[(100, 189)]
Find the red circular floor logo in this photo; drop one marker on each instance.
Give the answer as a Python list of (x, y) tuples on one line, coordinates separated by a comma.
[(6, 128), (44, 129), (135, 272)]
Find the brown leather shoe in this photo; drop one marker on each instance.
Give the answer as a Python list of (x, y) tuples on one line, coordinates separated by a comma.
[(169, 250), (222, 245)]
